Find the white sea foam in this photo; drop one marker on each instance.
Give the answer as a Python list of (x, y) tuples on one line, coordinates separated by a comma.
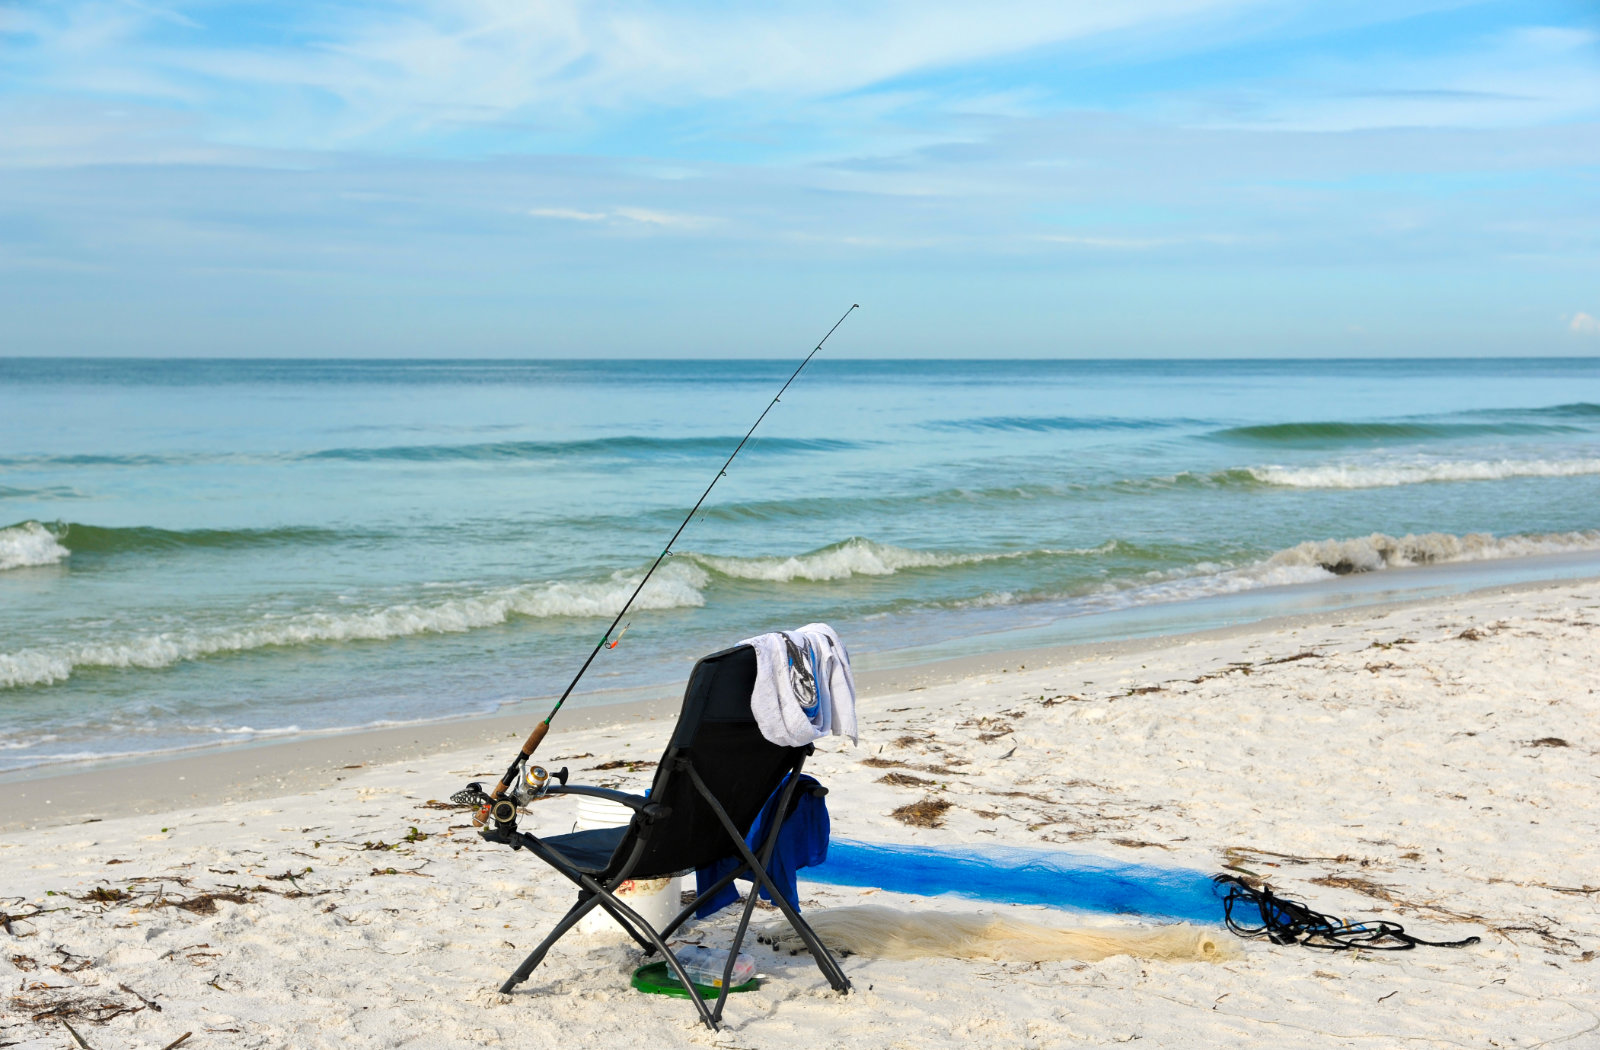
[(1320, 560), (29, 544), (677, 585), (1420, 471), (855, 557), (1378, 551)]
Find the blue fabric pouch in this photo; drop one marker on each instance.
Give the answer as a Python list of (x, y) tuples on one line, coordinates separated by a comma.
[(802, 843)]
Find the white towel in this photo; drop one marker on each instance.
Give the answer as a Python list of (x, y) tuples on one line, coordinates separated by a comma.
[(827, 706)]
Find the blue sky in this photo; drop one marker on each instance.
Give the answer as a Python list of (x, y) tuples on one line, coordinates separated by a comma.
[(488, 178)]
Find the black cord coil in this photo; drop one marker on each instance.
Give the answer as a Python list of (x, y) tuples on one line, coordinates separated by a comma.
[(1284, 921)]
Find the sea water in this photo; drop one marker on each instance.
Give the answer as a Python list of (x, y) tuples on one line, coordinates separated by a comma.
[(195, 553)]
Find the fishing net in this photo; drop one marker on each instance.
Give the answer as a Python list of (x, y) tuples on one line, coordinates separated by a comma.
[(1023, 876), (884, 933)]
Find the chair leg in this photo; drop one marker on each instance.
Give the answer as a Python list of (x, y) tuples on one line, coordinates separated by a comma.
[(759, 878), (733, 951), (617, 908), (825, 961)]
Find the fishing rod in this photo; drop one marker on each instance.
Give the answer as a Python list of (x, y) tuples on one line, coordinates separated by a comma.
[(535, 738)]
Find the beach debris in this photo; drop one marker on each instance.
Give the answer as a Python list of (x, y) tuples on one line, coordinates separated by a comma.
[(105, 895), (434, 803), (26, 913), (942, 770), (905, 780), (631, 765), (198, 954), (70, 962), (1548, 741), (150, 1004), (928, 813), (44, 1002), (1308, 654), (204, 903)]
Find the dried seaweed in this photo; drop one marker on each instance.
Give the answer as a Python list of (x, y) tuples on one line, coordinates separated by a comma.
[(1306, 655), (904, 780), (204, 903), (928, 813)]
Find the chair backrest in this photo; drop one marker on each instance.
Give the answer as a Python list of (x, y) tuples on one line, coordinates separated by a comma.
[(717, 734)]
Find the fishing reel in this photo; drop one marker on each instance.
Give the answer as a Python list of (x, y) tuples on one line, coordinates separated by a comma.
[(531, 783), (534, 782)]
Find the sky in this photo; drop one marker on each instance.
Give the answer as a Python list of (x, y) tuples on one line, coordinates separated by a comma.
[(483, 178)]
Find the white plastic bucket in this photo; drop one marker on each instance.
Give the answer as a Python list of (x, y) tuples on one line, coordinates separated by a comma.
[(656, 900)]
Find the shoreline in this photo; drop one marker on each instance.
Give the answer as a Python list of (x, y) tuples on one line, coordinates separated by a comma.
[(92, 791)]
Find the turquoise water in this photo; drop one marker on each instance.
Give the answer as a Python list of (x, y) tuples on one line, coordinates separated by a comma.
[(199, 552)]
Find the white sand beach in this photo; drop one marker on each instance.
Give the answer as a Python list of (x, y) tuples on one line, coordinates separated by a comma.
[(1432, 763)]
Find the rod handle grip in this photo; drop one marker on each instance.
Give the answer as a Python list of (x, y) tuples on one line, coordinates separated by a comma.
[(535, 738), (529, 746)]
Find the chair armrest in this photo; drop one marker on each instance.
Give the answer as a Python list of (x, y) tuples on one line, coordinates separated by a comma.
[(633, 802)]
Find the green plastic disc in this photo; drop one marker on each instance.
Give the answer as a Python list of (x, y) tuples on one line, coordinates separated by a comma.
[(657, 978)]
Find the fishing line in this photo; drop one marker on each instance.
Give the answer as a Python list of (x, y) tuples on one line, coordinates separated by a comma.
[(473, 794)]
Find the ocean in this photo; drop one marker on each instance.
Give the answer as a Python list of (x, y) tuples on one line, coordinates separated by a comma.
[(198, 553)]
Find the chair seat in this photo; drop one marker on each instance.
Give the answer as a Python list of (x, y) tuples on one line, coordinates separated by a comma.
[(589, 851)]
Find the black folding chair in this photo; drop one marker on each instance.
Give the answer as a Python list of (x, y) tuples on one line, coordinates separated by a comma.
[(716, 775)]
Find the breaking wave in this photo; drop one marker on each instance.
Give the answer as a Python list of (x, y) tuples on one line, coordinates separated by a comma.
[(854, 557), (1385, 475), (1317, 435), (1379, 551), (1116, 574), (29, 544), (677, 585), (1311, 562)]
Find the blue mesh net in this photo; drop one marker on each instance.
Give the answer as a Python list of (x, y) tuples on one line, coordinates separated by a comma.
[(1023, 876)]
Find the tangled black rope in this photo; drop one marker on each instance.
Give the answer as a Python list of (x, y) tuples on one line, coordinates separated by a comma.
[(1284, 921)]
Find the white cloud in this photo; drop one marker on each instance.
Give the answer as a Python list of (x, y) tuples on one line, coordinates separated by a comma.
[(1519, 77), (1584, 324), (422, 64), (650, 217), (627, 216), (568, 213)]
